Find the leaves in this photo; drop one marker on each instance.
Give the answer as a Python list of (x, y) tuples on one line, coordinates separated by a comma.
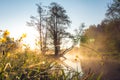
[(6, 33), (24, 35), (113, 12)]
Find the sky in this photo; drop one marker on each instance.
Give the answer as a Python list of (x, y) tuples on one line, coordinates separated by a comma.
[(15, 13)]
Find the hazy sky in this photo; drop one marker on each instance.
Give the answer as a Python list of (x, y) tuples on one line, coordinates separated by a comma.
[(15, 13)]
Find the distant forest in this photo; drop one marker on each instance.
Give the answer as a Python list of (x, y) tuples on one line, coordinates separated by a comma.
[(105, 37)]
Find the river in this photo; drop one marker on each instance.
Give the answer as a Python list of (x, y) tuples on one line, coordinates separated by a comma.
[(72, 61)]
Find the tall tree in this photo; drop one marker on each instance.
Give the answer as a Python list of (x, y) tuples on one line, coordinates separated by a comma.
[(39, 22), (113, 11), (58, 22)]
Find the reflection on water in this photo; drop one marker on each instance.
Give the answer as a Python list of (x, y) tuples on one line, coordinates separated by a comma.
[(72, 61)]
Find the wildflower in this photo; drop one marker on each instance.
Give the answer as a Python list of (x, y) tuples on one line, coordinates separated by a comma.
[(24, 35), (3, 40), (6, 33)]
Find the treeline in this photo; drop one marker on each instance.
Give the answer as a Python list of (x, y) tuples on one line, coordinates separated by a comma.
[(105, 37)]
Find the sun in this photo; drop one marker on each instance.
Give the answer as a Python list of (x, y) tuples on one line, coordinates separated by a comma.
[(29, 41), (30, 35)]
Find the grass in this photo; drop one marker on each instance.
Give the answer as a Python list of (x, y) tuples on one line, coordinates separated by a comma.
[(28, 65)]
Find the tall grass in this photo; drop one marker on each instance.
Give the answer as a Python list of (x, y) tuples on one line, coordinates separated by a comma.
[(31, 66)]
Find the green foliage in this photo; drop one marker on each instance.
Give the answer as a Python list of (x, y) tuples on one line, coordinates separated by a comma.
[(84, 39), (28, 65), (58, 21), (104, 37)]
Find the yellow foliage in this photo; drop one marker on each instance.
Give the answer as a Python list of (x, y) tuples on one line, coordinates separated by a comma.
[(3, 40), (24, 35), (6, 33), (8, 54)]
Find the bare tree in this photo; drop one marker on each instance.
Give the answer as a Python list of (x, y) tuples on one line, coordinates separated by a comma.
[(39, 23)]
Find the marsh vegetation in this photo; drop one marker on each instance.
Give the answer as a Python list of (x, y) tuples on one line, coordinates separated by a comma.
[(91, 53)]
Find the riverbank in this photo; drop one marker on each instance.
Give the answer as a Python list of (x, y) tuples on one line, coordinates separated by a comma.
[(108, 68)]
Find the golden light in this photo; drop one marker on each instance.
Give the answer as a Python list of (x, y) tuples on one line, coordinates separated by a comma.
[(43, 62)]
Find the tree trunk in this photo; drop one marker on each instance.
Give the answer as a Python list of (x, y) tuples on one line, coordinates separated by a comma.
[(57, 47), (45, 43), (56, 51), (40, 27)]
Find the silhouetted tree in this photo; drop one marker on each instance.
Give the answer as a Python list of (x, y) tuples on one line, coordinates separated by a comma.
[(113, 11), (57, 24), (40, 24)]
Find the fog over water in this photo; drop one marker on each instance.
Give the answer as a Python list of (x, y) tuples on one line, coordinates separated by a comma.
[(72, 61)]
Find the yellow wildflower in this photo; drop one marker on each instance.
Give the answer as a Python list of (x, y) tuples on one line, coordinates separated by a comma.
[(6, 33), (3, 40), (24, 35)]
